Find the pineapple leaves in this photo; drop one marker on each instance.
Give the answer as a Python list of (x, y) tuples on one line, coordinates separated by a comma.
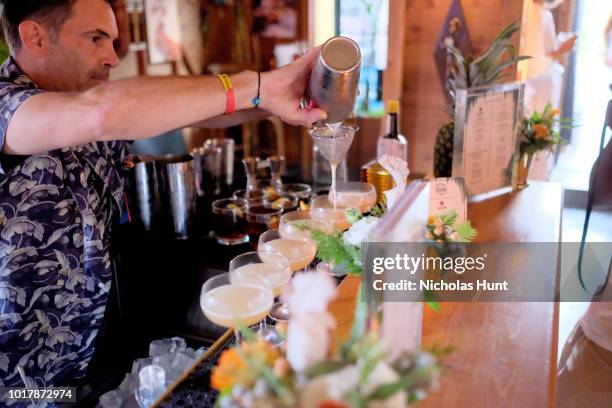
[(487, 68), (507, 32)]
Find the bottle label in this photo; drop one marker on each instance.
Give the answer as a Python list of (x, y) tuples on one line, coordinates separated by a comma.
[(392, 147)]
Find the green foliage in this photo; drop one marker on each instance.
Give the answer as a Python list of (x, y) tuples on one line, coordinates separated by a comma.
[(466, 231), (540, 131), (332, 249)]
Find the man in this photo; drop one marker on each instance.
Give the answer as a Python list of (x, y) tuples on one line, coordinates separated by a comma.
[(60, 185)]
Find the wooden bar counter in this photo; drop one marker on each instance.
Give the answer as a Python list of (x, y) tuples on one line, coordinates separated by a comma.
[(505, 352)]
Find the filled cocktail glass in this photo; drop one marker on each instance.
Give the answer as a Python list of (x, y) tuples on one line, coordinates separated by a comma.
[(334, 142), (322, 209), (273, 267), (229, 221), (261, 218), (355, 194), (299, 251), (298, 224), (235, 303)]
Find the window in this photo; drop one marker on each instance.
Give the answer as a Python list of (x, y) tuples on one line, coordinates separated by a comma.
[(367, 22)]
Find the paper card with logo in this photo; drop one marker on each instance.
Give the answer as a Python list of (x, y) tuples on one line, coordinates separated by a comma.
[(447, 194)]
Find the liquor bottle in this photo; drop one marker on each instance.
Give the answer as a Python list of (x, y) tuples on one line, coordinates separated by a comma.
[(393, 144)]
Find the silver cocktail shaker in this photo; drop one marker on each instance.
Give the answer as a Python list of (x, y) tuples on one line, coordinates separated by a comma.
[(334, 82)]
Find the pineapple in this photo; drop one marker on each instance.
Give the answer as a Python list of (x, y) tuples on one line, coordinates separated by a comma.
[(469, 73)]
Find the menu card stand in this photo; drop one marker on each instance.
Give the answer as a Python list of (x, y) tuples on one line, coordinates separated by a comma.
[(486, 143)]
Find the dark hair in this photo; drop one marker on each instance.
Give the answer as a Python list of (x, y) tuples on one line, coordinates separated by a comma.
[(50, 13)]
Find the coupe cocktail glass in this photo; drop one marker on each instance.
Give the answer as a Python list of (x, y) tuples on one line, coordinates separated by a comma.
[(239, 302), (299, 251), (355, 194), (297, 224)]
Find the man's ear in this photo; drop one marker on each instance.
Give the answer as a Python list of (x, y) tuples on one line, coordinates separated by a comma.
[(34, 37)]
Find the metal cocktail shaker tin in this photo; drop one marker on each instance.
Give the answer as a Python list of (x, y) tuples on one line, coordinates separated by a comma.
[(334, 81)]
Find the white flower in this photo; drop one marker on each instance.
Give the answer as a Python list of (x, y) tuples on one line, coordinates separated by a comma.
[(308, 333), (360, 231)]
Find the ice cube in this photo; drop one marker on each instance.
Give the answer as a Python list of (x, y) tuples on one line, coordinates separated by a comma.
[(129, 383), (140, 364), (182, 362), (173, 345), (164, 360), (199, 352), (112, 399)]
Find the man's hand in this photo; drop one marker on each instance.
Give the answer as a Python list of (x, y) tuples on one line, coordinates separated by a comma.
[(282, 90)]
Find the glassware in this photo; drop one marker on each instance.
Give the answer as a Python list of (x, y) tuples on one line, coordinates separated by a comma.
[(261, 218), (276, 165), (321, 171), (285, 202), (272, 266), (227, 146), (355, 194), (207, 169), (251, 165), (303, 191), (299, 251), (321, 208), (255, 196), (292, 225), (229, 221), (232, 303), (333, 141)]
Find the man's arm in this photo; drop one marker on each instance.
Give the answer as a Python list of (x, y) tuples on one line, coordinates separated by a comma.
[(138, 108), (236, 118)]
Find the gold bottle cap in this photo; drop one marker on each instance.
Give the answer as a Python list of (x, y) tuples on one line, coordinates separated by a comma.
[(393, 106)]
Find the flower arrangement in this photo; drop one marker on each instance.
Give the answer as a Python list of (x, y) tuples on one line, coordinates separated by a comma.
[(441, 228), (309, 373), (540, 131)]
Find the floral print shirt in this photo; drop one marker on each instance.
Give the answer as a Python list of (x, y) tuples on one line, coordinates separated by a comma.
[(56, 211)]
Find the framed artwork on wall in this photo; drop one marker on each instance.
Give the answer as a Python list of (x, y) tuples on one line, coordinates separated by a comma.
[(163, 31)]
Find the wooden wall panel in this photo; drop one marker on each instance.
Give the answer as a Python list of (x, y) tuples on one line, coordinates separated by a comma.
[(423, 103)]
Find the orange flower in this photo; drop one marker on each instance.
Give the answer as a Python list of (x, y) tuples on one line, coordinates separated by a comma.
[(556, 112), (332, 404), (430, 220), (541, 131), (228, 371)]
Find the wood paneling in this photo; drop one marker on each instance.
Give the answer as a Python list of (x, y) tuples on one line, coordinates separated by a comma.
[(423, 103), (505, 353)]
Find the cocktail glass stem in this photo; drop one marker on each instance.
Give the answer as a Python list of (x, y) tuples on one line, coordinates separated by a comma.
[(238, 336)]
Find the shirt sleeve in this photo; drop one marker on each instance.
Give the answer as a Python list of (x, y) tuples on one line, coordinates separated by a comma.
[(11, 97)]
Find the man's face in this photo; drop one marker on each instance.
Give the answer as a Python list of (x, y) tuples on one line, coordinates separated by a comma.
[(82, 54)]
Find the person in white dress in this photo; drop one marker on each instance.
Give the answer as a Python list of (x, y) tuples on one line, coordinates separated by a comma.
[(544, 70)]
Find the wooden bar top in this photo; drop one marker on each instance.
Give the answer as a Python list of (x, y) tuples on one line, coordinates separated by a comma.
[(505, 353)]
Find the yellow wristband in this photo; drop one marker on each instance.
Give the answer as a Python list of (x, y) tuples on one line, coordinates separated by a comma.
[(230, 99)]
